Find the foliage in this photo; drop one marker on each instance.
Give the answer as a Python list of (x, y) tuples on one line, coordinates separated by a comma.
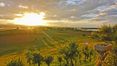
[(48, 60), (109, 34), (44, 42), (34, 57), (111, 60), (115, 56), (37, 58), (60, 59), (70, 53), (88, 53), (15, 63), (29, 56), (106, 33)]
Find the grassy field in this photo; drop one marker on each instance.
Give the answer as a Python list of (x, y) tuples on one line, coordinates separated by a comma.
[(14, 42)]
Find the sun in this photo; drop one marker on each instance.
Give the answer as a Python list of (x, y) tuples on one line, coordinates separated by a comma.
[(31, 19)]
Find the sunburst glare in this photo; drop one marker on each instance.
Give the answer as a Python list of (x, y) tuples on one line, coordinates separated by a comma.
[(31, 19)]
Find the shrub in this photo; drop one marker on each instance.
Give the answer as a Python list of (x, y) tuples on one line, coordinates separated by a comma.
[(15, 63), (48, 60)]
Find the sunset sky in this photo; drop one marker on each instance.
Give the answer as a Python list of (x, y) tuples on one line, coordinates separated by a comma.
[(62, 12)]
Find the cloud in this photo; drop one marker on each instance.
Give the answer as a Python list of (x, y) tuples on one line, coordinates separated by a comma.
[(74, 2), (2, 4), (89, 16), (92, 11), (22, 6)]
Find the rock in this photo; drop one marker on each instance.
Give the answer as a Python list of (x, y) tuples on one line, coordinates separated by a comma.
[(103, 47)]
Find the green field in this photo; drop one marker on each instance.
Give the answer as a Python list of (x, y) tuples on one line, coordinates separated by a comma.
[(48, 40)]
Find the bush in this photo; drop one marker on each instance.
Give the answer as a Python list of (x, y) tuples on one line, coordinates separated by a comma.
[(106, 33), (48, 60), (15, 63)]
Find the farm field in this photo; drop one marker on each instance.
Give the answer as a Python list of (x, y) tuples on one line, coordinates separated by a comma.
[(58, 33), (14, 43)]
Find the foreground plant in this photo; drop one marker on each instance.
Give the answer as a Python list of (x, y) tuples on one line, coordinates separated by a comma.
[(60, 59), (37, 59), (48, 60), (15, 63), (70, 53)]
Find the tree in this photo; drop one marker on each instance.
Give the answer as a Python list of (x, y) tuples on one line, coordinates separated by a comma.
[(37, 59), (15, 63), (48, 60)]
